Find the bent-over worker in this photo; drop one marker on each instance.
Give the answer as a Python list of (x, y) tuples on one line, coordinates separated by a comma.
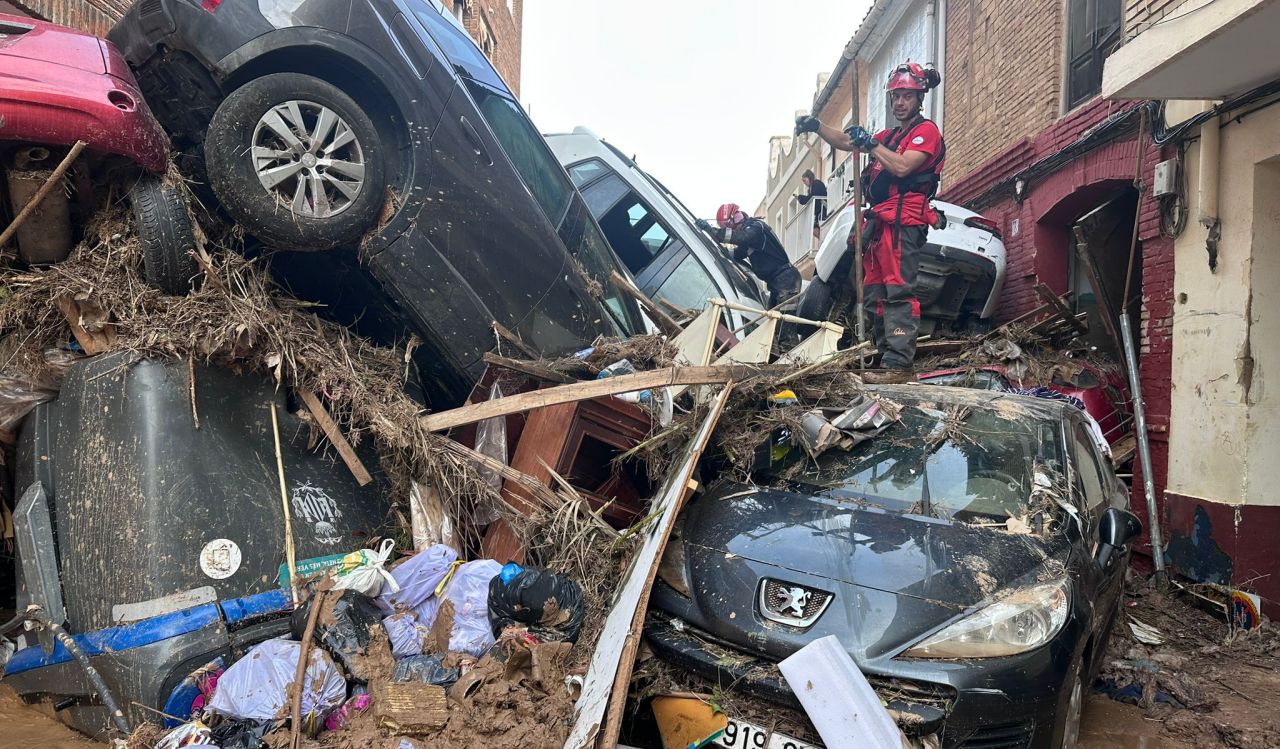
[(756, 244)]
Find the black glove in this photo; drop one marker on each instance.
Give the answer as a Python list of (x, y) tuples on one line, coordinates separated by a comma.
[(807, 124), (860, 138), (703, 224)]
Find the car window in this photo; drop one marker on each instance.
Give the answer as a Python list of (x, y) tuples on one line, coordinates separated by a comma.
[(596, 259), (583, 172), (943, 463), (980, 379), (689, 286), (528, 153), (465, 56), (1090, 469), (644, 222), (604, 194)]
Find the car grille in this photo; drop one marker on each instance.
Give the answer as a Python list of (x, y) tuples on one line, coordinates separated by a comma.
[(890, 688), (791, 604), (1005, 736)]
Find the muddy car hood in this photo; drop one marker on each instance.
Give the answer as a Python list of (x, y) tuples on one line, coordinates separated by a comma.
[(893, 577)]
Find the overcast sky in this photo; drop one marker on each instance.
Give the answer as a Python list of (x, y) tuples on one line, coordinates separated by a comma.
[(693, 90)]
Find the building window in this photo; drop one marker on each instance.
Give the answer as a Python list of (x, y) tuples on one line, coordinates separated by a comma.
[(1093, 32)]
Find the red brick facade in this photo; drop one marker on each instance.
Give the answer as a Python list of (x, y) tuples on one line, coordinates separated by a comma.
[(1038, 250), (497, 26)]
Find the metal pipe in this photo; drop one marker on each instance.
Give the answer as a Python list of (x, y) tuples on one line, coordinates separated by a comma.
[(940, 62), (1144, 449), (1207, 186), (41, 617)]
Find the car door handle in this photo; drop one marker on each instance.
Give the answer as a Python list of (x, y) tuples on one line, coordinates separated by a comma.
[(476, 142)]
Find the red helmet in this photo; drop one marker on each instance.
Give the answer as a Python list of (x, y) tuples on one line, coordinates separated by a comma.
[(729, 215), (913, 77)]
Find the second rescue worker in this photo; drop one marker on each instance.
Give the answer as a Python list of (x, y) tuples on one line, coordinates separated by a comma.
[(906, 163)]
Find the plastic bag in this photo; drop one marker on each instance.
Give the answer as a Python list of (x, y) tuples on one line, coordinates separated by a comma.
[(549, 605), (194, 733), (256, 687), (240, 734), (428, 669), (406, 635), (19, 395), (468, 590), (363, 571), (347, 632), (338, 718), (491, 440), (429, 521), (417, 579)]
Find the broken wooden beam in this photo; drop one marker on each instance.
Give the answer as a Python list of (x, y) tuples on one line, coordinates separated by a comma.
[(1066, 314), (336, 438), (93, 343), (585, 390), (507, 335), (664, 321), (536, 371)]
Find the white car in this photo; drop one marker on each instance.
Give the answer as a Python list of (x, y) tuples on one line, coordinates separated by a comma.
[(652, 231), (960, 278)]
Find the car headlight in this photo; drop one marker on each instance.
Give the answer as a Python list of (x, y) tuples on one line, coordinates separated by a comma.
[(1022, 621)]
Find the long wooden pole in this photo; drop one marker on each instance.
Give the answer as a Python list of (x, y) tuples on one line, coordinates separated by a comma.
[(860, 325), (54, 179), (289, 553)]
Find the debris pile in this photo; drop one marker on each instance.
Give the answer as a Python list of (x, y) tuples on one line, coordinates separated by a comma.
[(1208, 679)]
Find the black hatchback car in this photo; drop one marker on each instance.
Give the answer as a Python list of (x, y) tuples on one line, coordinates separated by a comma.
[(970, 557), (329, 123)]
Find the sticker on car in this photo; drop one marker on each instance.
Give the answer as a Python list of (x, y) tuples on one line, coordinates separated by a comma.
[(740, 734)]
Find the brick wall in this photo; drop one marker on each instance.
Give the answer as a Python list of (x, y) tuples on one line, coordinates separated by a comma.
[(1139, 15), (93, 16), (497, 26), (1003, 77)]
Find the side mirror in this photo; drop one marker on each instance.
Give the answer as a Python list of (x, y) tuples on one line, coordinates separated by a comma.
[(1115, 530)]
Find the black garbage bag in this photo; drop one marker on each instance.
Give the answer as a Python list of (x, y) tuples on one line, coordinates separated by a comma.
[(347, 633), (428, 669), (549, 605), (240, 734)]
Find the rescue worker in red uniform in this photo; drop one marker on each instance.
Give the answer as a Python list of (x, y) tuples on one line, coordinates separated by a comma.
[(900, 180)]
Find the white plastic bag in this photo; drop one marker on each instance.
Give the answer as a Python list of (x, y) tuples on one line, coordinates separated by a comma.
[(364, 572), (194, 733), (417, 578), (491, 440), (256, 687), (469, 591), (405, 633)]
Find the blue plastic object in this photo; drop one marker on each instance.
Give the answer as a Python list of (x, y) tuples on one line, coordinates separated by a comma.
[(509, 572)]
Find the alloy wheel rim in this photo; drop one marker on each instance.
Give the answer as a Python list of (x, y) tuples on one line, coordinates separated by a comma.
[(308, 158)]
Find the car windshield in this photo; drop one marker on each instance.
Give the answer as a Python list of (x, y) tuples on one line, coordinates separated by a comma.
[(942, 461), (466, 57)]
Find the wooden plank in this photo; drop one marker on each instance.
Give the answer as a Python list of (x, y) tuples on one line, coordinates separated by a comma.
[(531, 369), (598, 712), (92, 343), (1110, 315), (1025, 316), (514, 340), (1053, 301), (664, 321), (586, 390), (543, 439), (336, 438)]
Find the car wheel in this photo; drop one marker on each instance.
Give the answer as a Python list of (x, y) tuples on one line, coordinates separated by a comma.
[(296, 161), (165, 233), (1075, 710), (815, 303)]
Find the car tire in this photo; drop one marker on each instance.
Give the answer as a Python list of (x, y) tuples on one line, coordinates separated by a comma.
[(165, 234), (1075, 708), (297, 162), (815, 303)]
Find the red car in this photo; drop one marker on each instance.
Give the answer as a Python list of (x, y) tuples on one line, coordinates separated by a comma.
[(59, 86), (1103, 393)]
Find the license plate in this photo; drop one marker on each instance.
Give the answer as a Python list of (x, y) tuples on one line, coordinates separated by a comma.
[(743, 735)]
